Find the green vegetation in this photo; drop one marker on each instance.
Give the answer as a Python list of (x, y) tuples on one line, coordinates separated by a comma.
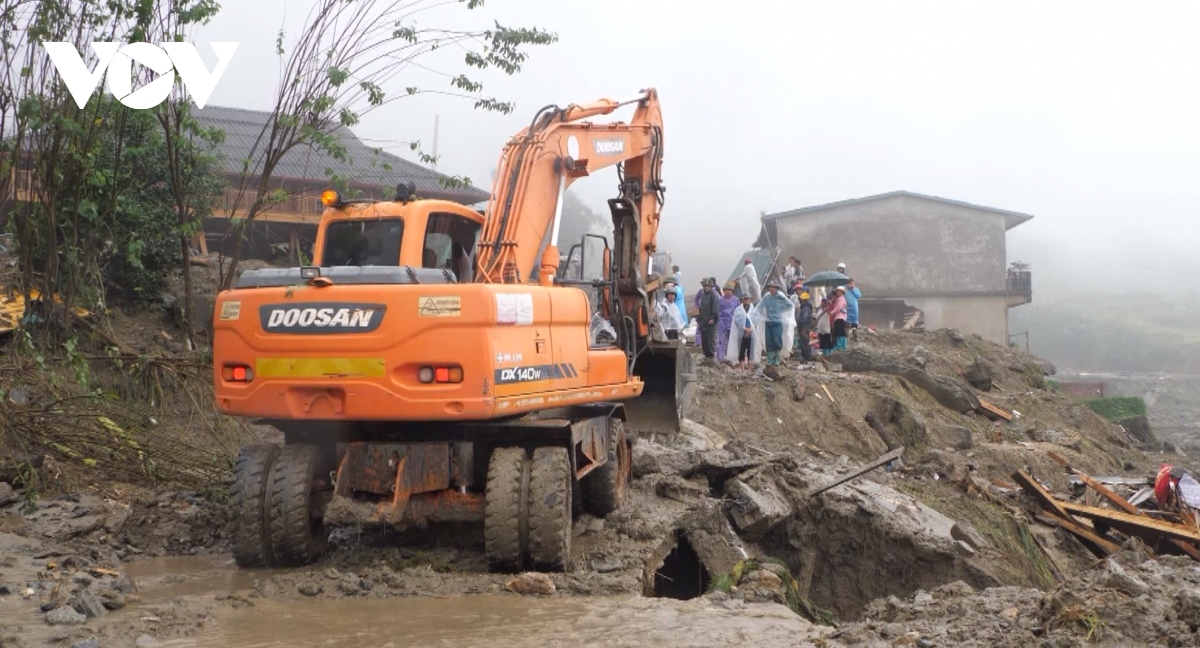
[(1117, 408)]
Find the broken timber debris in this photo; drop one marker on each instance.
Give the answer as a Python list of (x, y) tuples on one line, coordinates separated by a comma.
[(1093, 524), (994, 411), (882, 460)]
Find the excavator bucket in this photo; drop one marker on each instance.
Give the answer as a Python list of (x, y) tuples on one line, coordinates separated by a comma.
[(669, 376)]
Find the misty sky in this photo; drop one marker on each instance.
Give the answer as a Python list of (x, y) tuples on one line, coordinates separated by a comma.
[(1084, 114)]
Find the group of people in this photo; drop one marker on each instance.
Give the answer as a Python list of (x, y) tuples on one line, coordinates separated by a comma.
[(780, 320)]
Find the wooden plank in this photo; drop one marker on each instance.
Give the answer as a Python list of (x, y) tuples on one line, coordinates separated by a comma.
[(826, 389), (1121, 503), (883, 459), (1007, 416), (1153, 527), (1096, 543)]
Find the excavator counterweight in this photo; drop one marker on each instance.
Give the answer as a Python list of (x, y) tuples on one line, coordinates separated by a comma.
[(432, 365)]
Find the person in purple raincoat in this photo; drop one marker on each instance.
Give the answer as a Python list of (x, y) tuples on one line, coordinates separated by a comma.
[(725, 307)]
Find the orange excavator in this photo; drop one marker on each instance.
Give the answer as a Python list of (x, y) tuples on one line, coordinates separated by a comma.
[(431, 366)]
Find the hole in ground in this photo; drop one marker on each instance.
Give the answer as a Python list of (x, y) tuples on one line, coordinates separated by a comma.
[(682, 575)]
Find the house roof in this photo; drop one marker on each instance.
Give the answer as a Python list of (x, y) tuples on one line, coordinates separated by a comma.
[(364, 165), (1011, 218)]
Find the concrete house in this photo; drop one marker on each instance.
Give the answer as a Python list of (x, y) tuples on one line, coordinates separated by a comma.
[(917, 259)]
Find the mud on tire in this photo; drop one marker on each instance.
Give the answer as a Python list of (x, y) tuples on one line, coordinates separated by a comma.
[(505, 509), (248, 504), (606, 485), (550, 485), (296, 531)]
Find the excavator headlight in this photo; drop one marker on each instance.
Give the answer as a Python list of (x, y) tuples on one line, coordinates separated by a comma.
[(331, 198), (425, 374)]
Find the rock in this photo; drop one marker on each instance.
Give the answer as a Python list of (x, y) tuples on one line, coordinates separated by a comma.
[(1187, 607), (90, 642), (531, 583), (717, 596), (605, 565), (113, 599), (1048, 367), (5, 590), (980, 375), (65, 616), (918, 356), (310, 588), (957, 437), (18, 396), (116, 520), (82, 578), (1124, 582), (964, 548), (595, 526), (968, 534), (146, 641), (365, 585), (756, 511), (763, 578), (87, 604), (332, 573), (7, 494), (956, 337), (1010, 614), (1136, 426)]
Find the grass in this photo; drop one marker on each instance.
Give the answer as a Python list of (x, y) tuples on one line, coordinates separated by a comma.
[(1117, 408), (791, 589), (1007, 534)]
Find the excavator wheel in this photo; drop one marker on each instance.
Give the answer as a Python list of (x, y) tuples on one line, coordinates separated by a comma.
[(607, 484), (248, 500), (296, 530), (505, 509), (550, 485)]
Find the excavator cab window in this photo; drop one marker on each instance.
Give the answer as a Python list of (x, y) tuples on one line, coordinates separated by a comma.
[(450, 243), (373, 242)]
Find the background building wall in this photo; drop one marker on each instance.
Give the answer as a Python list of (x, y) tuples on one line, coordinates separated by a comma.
[(902, 246)]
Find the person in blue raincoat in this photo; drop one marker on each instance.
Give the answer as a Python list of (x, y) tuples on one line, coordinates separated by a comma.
[(776, 317)]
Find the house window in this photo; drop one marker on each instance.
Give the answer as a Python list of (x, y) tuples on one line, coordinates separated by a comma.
[(450, 244), (363, 243)]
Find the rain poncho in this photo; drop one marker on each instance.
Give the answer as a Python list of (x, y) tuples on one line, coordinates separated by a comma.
[(749, 283), (680, 305), (742, 319), (668, 314), (725, 308), (852, 296), (774, 308)]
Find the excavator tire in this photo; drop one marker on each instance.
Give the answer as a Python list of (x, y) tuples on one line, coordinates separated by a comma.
[(607, 484), (248, 500), (504, 510), (296, 531), (550, 482)]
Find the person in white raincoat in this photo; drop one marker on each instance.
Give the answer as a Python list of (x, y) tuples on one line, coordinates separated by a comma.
[(749, 282), (775, 308), (741, 349)]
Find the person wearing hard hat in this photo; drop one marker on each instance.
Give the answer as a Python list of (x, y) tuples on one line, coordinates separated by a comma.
[(841, 268), (725, 308), (709, 314), (804, 318)]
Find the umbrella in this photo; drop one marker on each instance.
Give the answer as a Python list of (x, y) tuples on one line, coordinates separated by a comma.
[(827, 278)]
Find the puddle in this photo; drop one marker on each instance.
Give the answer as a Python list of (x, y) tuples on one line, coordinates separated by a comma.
[(504, 620), (165, 578)]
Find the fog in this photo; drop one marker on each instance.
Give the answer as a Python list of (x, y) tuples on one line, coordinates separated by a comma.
[(1083, 114)]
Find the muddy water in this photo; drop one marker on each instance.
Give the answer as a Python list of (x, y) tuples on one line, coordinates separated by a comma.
[(505, 620), (474, 620)]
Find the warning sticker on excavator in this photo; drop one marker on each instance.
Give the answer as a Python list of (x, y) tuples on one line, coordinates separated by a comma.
[(450, 306), (231, 310), (514, 308)]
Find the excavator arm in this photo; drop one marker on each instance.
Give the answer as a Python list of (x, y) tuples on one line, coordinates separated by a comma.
[(523, 219), (538, 165)]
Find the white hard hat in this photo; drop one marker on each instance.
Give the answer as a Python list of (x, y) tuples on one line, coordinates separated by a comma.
[(841, 288), (841, 265)]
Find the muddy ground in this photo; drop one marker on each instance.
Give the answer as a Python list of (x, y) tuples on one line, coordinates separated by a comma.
[(931, 549)]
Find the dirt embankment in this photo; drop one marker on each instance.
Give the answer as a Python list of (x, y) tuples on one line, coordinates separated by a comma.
[(924, 548)]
